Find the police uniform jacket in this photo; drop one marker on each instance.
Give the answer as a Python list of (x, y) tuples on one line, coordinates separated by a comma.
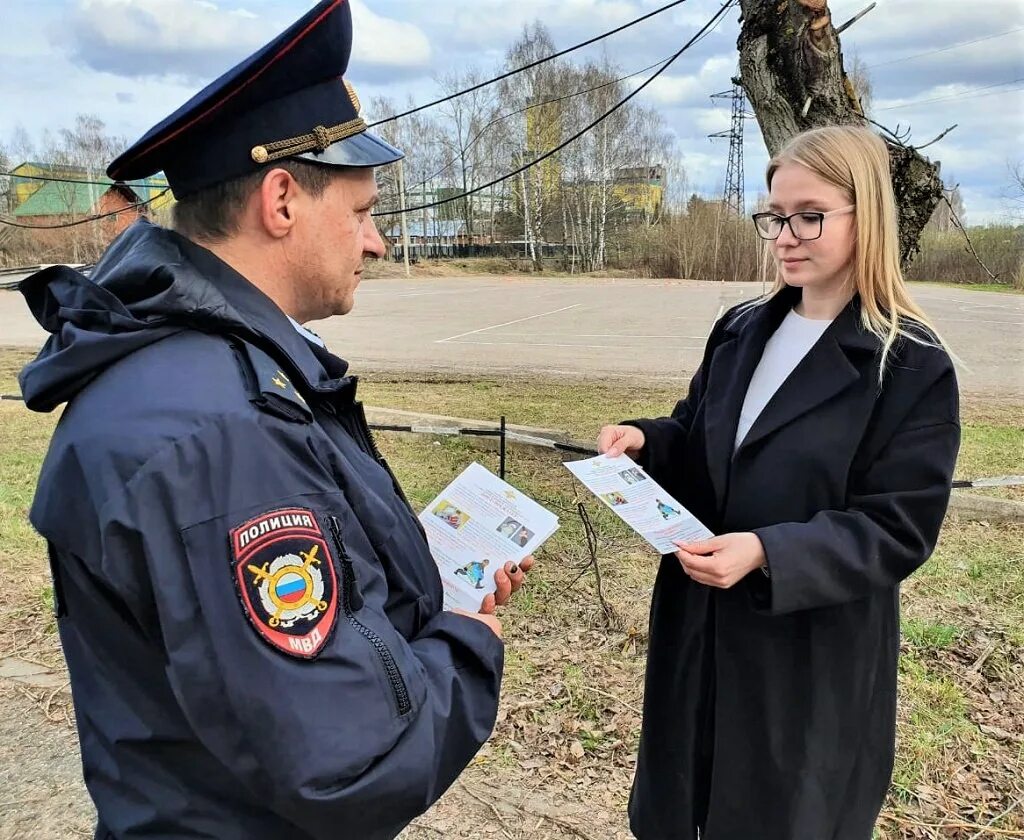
[(770, 707), (248, 607)]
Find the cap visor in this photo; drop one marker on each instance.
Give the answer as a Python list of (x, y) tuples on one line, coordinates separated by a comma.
[(363, 149)]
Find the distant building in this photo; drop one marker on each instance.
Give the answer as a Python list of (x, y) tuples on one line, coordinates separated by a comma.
[(76, 193), (443, 238), (46, 197), (640, 189)]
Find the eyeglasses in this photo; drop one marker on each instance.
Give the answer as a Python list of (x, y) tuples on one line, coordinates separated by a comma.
[(805, 225)]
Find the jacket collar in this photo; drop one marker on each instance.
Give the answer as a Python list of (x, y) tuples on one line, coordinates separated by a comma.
[(256, 318), (839, 359)]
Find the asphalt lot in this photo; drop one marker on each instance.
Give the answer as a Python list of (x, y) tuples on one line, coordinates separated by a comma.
[(602, 328)]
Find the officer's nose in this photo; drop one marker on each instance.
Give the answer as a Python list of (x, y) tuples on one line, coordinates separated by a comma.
[(373, 245)]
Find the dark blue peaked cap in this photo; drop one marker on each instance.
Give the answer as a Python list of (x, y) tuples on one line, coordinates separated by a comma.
[(287, 100)]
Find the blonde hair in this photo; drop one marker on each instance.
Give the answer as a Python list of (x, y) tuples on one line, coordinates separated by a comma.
[(856, 160)]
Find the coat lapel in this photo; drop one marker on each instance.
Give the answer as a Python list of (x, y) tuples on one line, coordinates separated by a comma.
[(732, 366), (826, 371)]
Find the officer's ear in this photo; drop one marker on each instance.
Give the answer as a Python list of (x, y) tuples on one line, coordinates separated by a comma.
[(277, 196)]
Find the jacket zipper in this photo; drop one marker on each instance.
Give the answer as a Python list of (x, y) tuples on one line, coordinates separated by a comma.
[(351, 602), (364, 433), (370, 446)]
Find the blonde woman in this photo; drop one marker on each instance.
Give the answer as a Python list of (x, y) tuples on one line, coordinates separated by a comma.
[(818, 439)]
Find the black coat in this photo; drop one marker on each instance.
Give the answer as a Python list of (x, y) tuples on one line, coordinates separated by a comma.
[(770, 708)]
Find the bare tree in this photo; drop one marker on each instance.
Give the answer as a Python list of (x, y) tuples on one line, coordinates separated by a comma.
[(466, 117), (1016, 191), (87, 144), (534, 127), (943, 219), (6, 199), (76, 157), (792, 70), (21, 147), (860, 81)]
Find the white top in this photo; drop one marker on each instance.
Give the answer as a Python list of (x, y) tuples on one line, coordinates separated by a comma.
[(793, 339)]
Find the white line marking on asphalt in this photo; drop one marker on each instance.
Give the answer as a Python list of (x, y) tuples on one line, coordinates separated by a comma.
[(507, 323)]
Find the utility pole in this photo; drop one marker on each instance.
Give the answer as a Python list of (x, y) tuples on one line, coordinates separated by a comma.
[(401, 208), (732, 196), (424, 202)]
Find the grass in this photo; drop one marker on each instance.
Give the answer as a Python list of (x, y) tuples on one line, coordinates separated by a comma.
[(477, 266), (574, 668), (933, 725), (992, 444), (577, 407), (1004, 288), (976, 569), (928, 635)]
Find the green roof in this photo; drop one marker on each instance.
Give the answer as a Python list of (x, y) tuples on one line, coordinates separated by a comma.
[(62, 199), (55, 198)]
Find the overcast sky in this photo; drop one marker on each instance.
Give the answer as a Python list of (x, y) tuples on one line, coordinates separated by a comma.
[(131, 62)]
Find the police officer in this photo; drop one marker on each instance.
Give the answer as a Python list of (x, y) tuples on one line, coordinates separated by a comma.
[(249, 610)]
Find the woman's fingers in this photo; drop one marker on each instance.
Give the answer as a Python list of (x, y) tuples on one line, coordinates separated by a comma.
[(616, 440)]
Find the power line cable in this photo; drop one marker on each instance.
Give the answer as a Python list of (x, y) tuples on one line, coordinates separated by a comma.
[(945, 49), (713, 22), (110, 183), (714, 19), (532, 64), (959, 95), (510, 114), (86, 219)]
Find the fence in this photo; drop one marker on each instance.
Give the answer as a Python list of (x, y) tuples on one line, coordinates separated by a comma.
[(505, 437)]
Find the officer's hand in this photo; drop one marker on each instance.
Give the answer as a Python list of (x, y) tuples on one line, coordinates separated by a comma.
[(618, 440), (507, 580), (490, 620)]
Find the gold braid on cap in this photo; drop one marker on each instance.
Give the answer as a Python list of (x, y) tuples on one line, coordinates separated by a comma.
[(318, 139), (352, 95)]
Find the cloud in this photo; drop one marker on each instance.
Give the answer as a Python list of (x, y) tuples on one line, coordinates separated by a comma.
[(910, 26), (495, 22), (197, 40), (714, 74), (168, 47), (191, 39), (383, 46), (711, 120)]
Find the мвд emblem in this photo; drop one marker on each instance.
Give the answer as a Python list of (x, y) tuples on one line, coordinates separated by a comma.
[(286, 579)]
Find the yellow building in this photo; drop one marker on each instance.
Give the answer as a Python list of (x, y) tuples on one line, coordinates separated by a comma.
[(640, 189), (543, 133)]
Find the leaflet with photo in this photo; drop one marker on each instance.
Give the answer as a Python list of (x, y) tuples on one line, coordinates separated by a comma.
[(639, 501), (475, 526)]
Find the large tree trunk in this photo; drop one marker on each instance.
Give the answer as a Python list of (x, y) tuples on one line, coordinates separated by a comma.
[(791, 67)]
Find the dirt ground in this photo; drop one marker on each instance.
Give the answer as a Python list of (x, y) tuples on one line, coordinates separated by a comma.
[(44, 797)]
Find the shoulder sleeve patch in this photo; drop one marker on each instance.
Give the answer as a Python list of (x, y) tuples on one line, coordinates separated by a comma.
[(286, 580)]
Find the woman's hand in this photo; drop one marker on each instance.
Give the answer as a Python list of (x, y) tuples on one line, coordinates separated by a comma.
[(722, 561), (618, 440)]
